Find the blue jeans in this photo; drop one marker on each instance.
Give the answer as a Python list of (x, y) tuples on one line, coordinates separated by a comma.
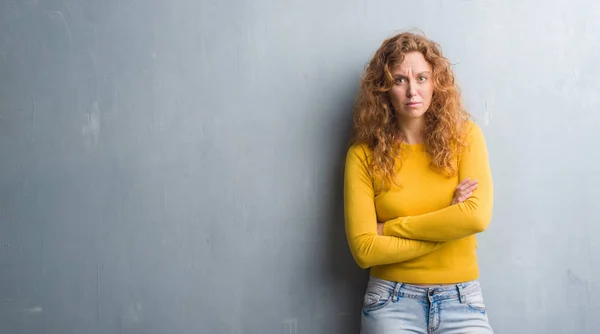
[(391, 307)]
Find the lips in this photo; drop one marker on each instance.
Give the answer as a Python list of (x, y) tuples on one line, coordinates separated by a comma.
[(410, 104)]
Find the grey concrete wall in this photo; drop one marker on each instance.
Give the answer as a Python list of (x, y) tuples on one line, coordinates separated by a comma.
[(176, 166)]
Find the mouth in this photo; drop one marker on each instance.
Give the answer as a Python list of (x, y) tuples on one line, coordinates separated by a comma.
[(413, 104)]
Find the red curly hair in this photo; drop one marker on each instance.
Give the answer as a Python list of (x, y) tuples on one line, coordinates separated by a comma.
[(376, 124)]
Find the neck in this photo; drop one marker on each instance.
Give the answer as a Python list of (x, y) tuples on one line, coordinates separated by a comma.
[(413, 130)]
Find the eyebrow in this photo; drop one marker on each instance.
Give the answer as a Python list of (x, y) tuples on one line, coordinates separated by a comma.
[(404, 76)]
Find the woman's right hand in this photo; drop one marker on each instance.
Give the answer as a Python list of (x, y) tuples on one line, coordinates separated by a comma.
[(464, 190)]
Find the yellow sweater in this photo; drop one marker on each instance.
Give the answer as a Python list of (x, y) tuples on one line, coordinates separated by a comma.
[(426, 240)]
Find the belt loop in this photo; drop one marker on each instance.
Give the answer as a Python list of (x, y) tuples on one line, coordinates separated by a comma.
[(461, 293), (396, 292)]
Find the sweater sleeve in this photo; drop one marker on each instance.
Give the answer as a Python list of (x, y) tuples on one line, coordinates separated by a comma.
[(461, 220), (367, 247)]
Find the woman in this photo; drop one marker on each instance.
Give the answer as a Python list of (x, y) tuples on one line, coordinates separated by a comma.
[(408, 218)]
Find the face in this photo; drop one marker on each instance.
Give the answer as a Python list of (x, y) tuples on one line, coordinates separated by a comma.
[(413, 86)]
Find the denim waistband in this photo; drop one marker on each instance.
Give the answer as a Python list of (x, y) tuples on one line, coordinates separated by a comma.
[(431, 293)]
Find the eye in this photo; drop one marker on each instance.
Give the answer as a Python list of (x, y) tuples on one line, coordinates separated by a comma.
[(422, 78), (400, 81)]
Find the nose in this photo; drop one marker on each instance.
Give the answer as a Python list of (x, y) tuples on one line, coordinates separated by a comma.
[(412, 89)]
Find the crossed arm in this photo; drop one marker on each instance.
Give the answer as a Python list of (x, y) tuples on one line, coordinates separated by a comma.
[(406, 238), (367, 247), (463, 219)]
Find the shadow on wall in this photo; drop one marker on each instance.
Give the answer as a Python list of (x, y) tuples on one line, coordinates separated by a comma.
[(344, 276)]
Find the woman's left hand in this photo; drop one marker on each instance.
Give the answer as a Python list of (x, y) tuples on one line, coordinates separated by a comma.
[(464, 190)]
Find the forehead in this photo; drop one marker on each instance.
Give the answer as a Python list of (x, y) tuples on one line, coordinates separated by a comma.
[(414, 62)]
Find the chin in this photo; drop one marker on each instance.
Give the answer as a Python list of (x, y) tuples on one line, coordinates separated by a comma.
[(412, 114)]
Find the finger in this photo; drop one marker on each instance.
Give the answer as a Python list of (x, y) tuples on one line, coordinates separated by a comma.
[(465, 197), (472, 182), (469, 185), (471, 188), (463, 184)]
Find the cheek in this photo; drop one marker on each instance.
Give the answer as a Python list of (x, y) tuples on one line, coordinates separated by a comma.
[(427, 92), (397, 94)]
